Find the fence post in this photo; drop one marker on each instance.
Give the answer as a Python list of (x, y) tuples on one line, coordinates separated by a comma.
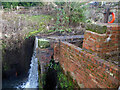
[(106, 14)]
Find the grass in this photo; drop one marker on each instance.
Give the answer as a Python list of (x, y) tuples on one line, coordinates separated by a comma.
[(37, 18), (39, 23), (30, 25), (33, 33)]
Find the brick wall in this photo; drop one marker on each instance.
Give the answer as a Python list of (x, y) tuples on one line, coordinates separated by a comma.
[(85, 64), (97, 42), (44, 55), (86, 68), (56, 51)]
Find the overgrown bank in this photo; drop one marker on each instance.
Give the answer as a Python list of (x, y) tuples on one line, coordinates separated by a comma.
[(16, 57), (54, 77), (18, 41)]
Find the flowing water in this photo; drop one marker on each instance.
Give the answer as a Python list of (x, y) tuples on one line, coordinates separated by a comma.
[(32, 81)]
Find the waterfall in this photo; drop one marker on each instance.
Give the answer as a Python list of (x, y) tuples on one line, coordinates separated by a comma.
[(32, 81), (33, 74)]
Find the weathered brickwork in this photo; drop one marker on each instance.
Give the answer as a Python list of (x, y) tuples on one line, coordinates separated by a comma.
[(56, 51), (86, 68), (85, 64), (44, 55), (98, 42)]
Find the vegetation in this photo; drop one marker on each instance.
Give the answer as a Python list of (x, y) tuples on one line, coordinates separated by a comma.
[(62, 21), (77, 12), (25, 4), (39, 79), (42, 43), (64, 81), (96, 28), (39, 23), (63, 18), (68, 13)]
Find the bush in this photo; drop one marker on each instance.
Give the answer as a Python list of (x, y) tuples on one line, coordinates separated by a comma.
[(77, 12), (68, 13)]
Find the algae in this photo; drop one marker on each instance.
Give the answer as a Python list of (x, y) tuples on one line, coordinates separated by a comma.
[(43, 43)]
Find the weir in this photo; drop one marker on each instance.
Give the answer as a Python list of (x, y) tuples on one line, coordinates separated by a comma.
[(46, 55), (91, 62), (95, 64), (77, 58), (32, 81)]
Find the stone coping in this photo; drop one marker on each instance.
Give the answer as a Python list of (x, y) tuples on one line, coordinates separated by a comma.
[(104, 34), (66, 37), (108, 24)]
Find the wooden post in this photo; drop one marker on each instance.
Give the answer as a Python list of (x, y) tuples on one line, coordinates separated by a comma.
[(106, 14)]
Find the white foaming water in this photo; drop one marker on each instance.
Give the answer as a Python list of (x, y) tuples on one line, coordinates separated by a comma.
[(33, 74), (32, 81)]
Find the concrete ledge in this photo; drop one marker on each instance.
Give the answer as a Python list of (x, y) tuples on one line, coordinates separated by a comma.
[(66, 37)]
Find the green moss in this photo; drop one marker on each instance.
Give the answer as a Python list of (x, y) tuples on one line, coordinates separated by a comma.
[(64, 81), (3, 46), (96, 28), (82, 50), (42, 43), (34, 32), (39, 75), (5, 67), (49, 31)]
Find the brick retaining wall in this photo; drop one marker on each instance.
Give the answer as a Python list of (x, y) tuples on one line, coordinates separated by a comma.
[(86, 68), (85, 64), (97, 42)]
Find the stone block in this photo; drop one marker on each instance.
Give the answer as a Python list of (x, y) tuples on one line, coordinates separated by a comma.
[(43, 43)]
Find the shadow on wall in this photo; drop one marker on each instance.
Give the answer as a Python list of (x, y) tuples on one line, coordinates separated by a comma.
[(16, 61), (51, 77)]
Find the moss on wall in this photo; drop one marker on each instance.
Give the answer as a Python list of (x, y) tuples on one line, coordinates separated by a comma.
[(96, 28), (43, 43)]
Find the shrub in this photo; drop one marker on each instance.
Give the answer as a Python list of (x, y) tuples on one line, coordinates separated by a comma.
[(77, 12)]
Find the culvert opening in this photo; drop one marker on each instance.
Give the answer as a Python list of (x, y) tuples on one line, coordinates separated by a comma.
[(16, 61)]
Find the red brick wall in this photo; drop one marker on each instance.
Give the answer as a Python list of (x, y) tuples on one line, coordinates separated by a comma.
[(97, 42), (56, 51), (44, 55), (86, 68)]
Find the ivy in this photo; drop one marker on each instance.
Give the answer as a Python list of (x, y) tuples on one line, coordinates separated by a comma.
[(63, 80), (62, 21)]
